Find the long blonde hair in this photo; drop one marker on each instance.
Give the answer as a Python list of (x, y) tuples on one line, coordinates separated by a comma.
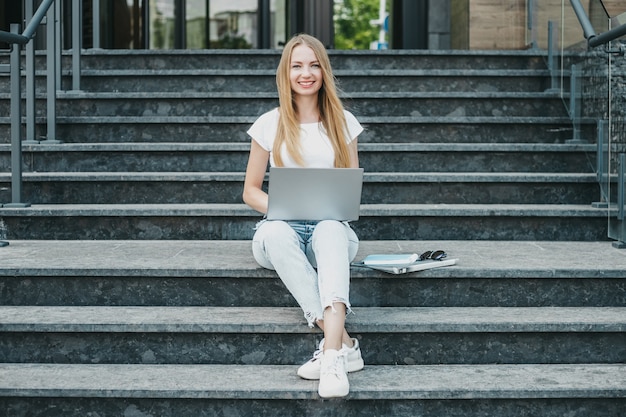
[(329, 105)]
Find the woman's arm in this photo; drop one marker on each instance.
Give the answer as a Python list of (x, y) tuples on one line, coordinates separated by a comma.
[(354, 153), (253, 194)]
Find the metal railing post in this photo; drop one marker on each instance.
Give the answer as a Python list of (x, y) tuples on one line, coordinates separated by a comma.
[(530, 17), (16, 125), (58, 46), (601, 130), (95, 9), (552, 66), (575, 105), (620, 186), (5, 69), (30, 80), (618, 225), (76, 43), (51, 76), (602, 175)]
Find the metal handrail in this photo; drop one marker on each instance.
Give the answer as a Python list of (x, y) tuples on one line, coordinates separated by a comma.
[(31, 28), (585, 23), (608, 36), (593, 39), (16, 40)]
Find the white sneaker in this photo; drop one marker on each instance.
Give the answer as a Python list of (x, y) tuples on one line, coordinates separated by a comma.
[(311, 369), (333, 375)]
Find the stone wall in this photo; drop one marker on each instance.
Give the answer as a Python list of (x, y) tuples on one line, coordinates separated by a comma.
[(604, 100), (618, 99), (594, 67)]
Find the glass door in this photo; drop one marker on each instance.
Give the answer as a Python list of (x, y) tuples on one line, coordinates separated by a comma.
[(196, 24), (192, 24), (246, 24), (162, 15)]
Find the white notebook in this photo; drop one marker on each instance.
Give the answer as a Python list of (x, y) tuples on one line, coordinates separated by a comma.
[(404, 269), (390, 259)]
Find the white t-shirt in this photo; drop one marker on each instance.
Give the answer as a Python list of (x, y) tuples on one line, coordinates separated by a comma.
[(317, 151)]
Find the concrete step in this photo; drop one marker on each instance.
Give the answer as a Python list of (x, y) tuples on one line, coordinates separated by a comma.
[(204, 390), (362, 104), (348, 80), (378, 188), (268, 59), (378, 221), (224, 273), (270, 320), (454, 129), (392, 335), (373, 157), (264, 80)]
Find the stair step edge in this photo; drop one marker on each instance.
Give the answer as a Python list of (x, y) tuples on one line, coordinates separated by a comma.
[(281, 382), (201, 259), (245, 147), (132, 319), (369, 177), (367, 210)]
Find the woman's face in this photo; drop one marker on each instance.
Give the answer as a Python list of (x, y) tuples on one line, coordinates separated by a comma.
[(305, 72)]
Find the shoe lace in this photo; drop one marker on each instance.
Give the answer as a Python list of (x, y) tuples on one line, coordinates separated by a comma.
[(317, 355), (337, 366)]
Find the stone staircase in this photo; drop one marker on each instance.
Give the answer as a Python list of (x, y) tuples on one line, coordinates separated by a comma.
[(129, 288), (147, 146)]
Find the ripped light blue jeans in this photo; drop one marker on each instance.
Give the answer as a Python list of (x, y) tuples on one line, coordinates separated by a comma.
[(311, 258)]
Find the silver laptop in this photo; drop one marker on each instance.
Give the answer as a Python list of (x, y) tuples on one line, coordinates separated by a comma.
[(314, 193)]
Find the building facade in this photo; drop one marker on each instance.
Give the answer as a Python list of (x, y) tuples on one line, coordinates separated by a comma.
[(267, 24)]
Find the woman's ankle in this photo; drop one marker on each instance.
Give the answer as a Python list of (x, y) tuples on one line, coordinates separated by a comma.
[(348, 342)]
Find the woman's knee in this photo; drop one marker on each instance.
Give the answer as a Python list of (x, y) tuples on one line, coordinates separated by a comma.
[(271, 236), (331, 230), (335, 232)]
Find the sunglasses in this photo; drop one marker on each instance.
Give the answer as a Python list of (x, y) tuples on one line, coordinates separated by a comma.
[(434, 255)]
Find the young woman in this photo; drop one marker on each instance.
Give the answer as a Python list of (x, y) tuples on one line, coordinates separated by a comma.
[(309, 129)]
